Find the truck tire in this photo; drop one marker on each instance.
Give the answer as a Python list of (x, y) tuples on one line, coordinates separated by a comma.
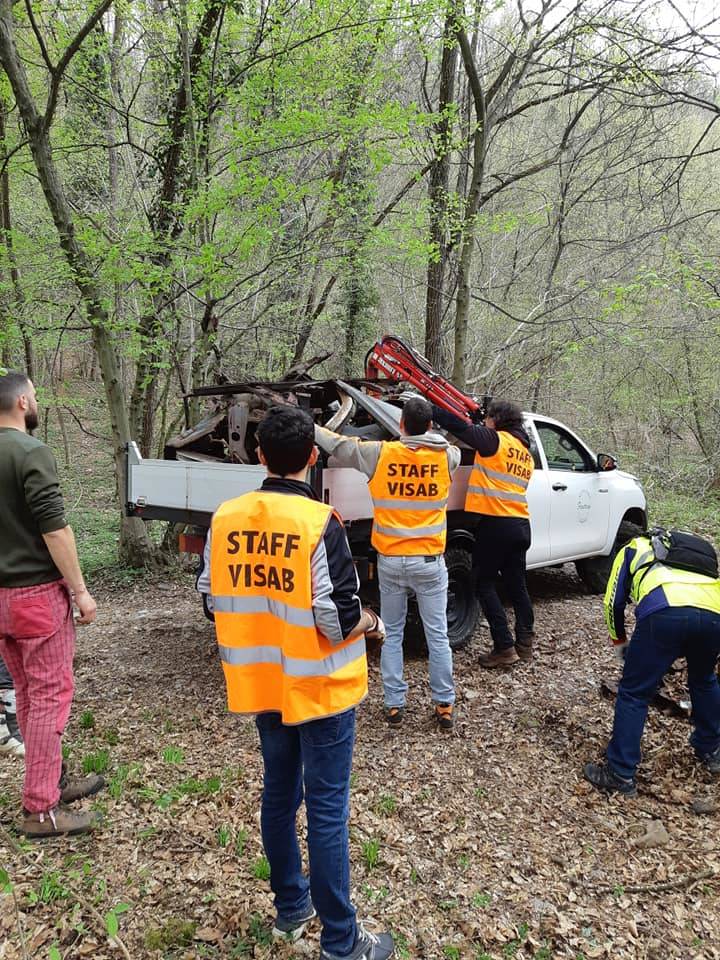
[(463, 608), (594, 571)]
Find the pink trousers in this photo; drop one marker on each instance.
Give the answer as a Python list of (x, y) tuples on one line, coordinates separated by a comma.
[(37, 642)]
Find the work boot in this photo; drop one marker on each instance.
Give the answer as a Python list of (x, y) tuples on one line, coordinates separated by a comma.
[(524, 646), (293, 929), (499, 658), (11, 741), (75, 788), (394, 715), (603, 778), (368, 946), (57, 822), (444, 715)]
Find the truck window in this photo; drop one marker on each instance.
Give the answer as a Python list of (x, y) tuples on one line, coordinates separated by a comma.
[(562, 451)]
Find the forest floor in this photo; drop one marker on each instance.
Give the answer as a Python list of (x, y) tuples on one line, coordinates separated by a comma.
[(482, 844)]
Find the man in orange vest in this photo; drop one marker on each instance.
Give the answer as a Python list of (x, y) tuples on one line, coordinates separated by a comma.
[(291, 634), (409, 482), (497, 494)]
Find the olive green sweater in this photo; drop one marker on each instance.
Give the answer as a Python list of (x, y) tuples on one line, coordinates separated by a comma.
[(30, 504)]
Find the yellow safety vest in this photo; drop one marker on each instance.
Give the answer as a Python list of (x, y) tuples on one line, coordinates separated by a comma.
[(409, 490), (498, 484), (273, 656)]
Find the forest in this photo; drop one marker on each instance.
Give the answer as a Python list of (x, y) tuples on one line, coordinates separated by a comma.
[(199, 192), (526, 192)]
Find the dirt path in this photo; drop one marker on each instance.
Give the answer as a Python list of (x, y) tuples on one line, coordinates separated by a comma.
[(486, 844)]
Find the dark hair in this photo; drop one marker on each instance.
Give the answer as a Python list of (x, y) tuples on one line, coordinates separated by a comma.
[(286, 437), (417, 416), (12, 384), (506, 414)]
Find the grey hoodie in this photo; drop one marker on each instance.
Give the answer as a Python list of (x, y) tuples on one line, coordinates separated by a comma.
[(364, 455)]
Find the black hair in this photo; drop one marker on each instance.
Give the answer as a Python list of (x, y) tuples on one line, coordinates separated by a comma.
[(12, 384), (286, 437), (506, 414), (417, 416)]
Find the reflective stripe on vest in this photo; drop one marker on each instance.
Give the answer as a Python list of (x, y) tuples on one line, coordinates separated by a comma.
[(273, 656), (498, 484), (409, 490)]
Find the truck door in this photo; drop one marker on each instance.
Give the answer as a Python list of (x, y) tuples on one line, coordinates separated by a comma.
[(579, 495), (538, 495)]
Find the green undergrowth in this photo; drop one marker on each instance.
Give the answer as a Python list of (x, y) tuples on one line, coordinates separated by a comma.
[(695, 511)]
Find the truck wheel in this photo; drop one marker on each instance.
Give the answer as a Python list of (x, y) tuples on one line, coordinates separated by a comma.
[(463, 607), (595, 571)]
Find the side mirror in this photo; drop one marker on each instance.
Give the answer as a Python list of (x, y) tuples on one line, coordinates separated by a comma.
[(606, 462)]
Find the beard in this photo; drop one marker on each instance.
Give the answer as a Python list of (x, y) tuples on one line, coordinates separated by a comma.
[(31, 420)]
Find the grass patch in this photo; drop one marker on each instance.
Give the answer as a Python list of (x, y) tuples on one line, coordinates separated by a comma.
[(261, 868), (96, 762)]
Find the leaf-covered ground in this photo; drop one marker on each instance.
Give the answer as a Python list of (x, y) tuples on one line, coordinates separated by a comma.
[(483, 844)]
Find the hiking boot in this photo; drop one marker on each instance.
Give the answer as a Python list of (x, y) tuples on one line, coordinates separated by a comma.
[(394, 715), (603, 778), (368, 946), (499, 658), (444, 715), (524, 646), (57, 822), (75, 788), (293, 929), (10, 739)]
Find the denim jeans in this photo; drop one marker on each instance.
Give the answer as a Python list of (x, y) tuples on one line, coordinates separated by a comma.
[(658, 640), (501, 544), (312, 760), (398, 577)]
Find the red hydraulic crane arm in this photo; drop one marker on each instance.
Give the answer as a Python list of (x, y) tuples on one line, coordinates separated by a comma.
[(397, 361)]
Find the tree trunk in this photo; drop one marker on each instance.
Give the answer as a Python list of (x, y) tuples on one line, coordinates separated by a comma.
[(6, 228), (438, 194), (135, 545)]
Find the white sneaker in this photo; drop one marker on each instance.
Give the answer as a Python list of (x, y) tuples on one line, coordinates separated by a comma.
[(8, 743)]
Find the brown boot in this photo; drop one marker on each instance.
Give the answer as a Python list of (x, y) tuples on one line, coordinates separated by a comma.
[(524, 646), (75, 788), (57, 822), (499, 658)]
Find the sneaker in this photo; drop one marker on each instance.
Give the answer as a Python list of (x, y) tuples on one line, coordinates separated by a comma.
[(444, 715), (524, 646), (293, 929), (75, 788), (368, 946), (57, 822), (603, 778), (711, 762), (10, 739), (499, 658), (394, 715)]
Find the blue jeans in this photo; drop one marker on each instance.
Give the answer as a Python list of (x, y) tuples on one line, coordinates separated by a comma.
[(658, 640), (398, 577), (317, 756)]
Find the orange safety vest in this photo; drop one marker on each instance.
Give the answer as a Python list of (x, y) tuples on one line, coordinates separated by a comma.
[(273, 656), (498, 484), (409, 490)]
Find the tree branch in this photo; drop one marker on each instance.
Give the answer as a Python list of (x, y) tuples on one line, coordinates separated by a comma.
[(56, 73)]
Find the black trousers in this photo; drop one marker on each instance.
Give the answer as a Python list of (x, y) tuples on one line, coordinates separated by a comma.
[(501, 544)]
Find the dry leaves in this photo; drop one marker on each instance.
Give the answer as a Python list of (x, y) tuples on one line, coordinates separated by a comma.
[(487, 843)]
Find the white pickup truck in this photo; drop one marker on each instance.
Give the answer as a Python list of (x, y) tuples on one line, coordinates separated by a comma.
[(582, 508)]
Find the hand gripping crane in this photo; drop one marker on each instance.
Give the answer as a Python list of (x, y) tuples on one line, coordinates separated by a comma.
[(397, 361)]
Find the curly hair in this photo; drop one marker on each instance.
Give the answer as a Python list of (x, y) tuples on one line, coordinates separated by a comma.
[(506, 414)]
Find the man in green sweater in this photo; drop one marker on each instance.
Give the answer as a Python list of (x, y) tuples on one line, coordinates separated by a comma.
[(40, 580)]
